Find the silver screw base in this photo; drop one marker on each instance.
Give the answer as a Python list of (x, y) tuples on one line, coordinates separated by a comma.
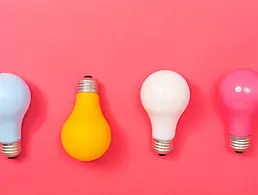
[(88, 85), (239, 144), (12, 150), (162, 147)]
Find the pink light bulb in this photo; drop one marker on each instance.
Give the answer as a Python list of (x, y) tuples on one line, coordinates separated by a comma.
[(239, 94)]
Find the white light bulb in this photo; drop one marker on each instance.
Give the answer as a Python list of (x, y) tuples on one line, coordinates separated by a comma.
[(165, 96), (14, 103)]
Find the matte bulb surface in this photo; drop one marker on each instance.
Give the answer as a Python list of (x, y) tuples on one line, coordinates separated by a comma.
[(239, 93), (86, 135), (165, 96), (14, 102)]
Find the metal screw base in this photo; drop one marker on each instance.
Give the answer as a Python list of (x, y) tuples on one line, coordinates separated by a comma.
[(239, 144), (88, 85), (12, 150), (162, 147)]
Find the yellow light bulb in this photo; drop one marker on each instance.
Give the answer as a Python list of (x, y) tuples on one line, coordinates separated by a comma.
[(86, 135)]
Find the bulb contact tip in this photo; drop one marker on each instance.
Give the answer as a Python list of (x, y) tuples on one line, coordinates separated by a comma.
[(239, 144), (11, 151), (162, 147)]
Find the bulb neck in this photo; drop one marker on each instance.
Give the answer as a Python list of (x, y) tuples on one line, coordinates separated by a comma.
[(88, 85), (10, 130), (240, 124), (163, 126), (11, 150)]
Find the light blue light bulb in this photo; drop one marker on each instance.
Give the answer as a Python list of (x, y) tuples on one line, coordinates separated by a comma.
[(14, 102)]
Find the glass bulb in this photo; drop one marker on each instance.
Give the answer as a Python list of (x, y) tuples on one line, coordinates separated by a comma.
[(86, 135), (165, 96), (14, 103), (239, 93)]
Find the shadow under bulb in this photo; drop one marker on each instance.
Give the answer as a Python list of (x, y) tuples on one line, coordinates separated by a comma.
[(164, 95), (86, 134), (15, 99)]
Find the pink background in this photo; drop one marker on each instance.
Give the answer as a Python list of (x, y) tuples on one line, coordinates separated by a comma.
[(54, 43)]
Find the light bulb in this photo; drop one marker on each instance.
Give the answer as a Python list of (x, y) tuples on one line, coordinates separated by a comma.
[(86, 134), (165, 96), (14, 103), (239, 93)]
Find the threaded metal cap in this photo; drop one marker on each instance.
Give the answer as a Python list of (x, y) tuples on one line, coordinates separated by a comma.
[(162, 147), (12, 150), (88, 85), (239, 144)]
